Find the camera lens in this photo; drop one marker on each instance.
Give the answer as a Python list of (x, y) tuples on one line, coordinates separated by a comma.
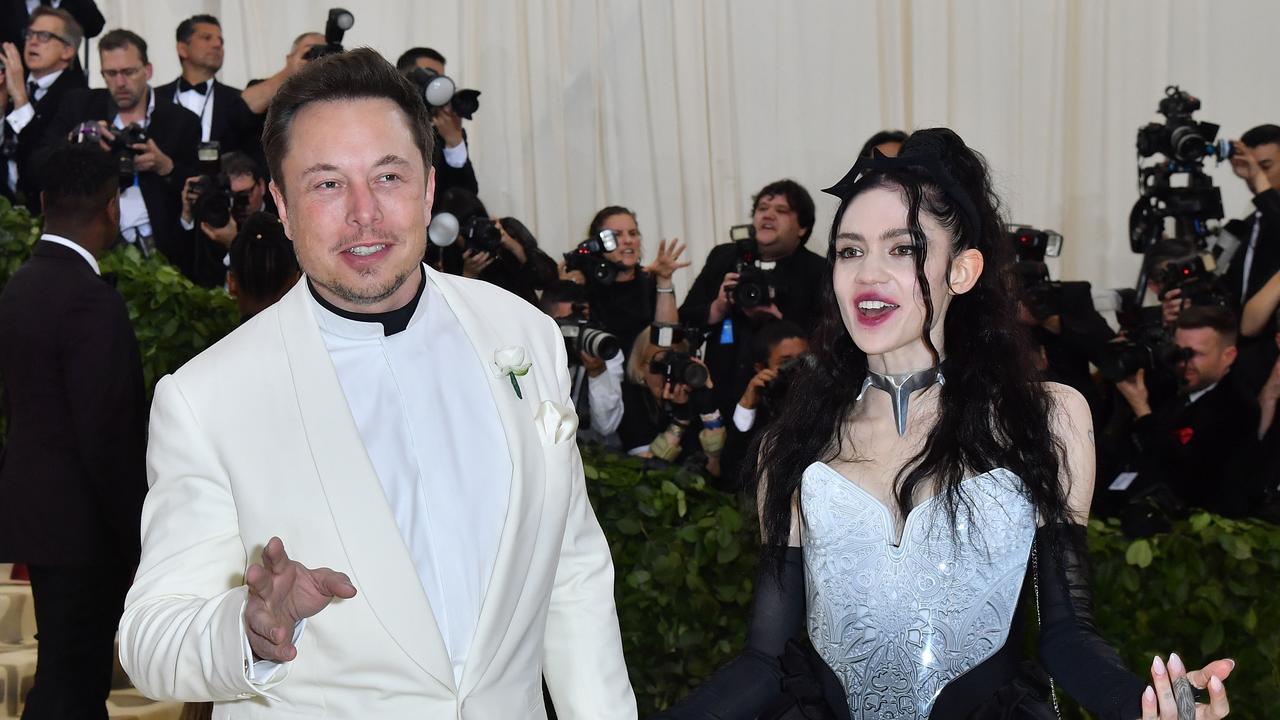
[(599, 344), (695, 376)]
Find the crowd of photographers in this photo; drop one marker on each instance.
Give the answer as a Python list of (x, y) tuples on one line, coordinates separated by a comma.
[(1183, 381)]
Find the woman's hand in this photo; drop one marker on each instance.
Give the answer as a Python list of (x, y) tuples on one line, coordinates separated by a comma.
[(1158, 701), (668, 260), (575, 276), (474, 263)]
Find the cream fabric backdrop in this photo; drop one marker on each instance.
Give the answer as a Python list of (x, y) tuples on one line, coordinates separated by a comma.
[(680, 109)]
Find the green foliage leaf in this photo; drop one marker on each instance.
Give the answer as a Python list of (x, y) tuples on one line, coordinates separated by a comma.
[(1139, 553)]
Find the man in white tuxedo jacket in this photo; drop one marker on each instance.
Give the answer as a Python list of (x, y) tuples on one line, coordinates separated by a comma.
[(408, 429)]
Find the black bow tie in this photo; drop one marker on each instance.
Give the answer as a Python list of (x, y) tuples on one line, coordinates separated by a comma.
[(184, 86)]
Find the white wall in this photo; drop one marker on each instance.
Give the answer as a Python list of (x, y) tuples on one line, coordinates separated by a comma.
[(680, 109)]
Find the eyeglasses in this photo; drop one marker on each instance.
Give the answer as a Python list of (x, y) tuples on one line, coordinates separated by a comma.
[(126, 73), (44, 36)]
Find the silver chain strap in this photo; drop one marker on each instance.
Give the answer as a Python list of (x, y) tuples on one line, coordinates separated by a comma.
[(1035, 577)]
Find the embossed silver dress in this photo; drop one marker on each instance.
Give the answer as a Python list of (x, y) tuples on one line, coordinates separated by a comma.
[(898, 622)]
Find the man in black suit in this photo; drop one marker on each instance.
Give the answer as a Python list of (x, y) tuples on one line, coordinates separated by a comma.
[(451, 160), (73, 469), (204, 252), (224, 118), (150, 196), (15, 15), (49, 54), (783, 217), (1202, 444)]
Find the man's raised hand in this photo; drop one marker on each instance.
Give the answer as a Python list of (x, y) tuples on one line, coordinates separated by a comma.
[(281, 593)]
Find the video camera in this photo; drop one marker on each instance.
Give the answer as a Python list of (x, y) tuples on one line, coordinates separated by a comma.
[(583, 336), (339, 22), (121, 148), (1185, 143), (675, 366), (588, 257), (440, 91), (755, 286), (1196, 279)]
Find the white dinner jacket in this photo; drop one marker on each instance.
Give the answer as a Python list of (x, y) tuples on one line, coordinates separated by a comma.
[(253, 438)]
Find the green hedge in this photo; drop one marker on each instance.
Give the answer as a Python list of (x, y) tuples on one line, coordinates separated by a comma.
[(685, 554)]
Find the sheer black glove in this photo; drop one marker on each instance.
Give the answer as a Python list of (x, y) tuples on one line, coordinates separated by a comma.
[(751, 682), (1085, 665)]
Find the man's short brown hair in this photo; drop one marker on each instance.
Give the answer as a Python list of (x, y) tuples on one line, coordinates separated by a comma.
[(1219, 319), (354, 75)]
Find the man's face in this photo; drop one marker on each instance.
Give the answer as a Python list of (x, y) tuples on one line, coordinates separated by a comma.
[(1210, 359), (253, 191), (204, 49), (1267, 155), (51, 55), (429, 64), (357, 201), (126, 76), (787, 350), (561, 310), (778, 233)]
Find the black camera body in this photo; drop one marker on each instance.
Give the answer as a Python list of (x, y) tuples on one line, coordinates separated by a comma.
[(679, 368), (481, 234), (588, 257), (755, 286), (1185, 142), (1196, 280), (1144, 348), (121, 148), (583, 336), (213, 201)]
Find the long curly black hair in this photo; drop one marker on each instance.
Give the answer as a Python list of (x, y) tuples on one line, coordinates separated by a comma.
[(993, 412)]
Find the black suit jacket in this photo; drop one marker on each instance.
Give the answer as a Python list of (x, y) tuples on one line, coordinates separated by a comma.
[(29, 139), (448, 176), (1206, 452), (175, 130), (1266, 255), (233, 125), (14, 18), (73, 468)]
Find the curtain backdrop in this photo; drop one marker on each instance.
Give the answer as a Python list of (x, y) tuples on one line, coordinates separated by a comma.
[(681, 109)]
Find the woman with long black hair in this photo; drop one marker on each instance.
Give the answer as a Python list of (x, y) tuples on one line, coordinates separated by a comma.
[(919, 481)]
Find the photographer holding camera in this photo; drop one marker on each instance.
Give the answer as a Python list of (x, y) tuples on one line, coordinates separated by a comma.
[(154, 143), (667, 400), (1202, 444), (786, 284), (258, 93), (625, 296), (452, 160), (500, 251), (779, 350), (595, 364), (214, 207)]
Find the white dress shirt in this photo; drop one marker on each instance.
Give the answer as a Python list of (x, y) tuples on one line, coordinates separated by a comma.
[(88, 256), (134, 218), (421, 400), (456, 156), (744, 418), (604, 394), (201, 105)]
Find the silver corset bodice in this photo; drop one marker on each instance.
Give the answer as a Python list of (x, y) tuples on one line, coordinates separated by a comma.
[(896, 623)]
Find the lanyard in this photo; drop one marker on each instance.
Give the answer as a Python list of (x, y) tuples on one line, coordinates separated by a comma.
[(208, 95)]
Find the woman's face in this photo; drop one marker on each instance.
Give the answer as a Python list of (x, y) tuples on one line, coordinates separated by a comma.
[(629, 251), (652, 380), (875, 281)]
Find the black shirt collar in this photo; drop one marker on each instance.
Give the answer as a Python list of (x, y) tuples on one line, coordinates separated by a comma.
[(393, 321)]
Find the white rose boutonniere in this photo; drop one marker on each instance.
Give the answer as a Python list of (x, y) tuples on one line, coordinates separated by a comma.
[(513, 362)]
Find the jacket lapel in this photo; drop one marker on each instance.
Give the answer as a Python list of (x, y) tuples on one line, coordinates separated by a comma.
[(379, 562), (524, 506)]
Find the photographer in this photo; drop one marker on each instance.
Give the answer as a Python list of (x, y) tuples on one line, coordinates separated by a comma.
[(263, 266), (1202, 445), (782, 218), (669, 408), (778, 350), (500, 251), (1256, 161), (258, 93), (153, 170), (452, 160), (1269, 436), (637, 296), (219, 205), (30, 104), (597, 381), (224, 117)]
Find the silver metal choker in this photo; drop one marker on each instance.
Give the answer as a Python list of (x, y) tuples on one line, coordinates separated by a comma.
[(900, 388)]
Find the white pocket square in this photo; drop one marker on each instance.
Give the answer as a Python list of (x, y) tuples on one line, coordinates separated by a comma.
[(556, 422)]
